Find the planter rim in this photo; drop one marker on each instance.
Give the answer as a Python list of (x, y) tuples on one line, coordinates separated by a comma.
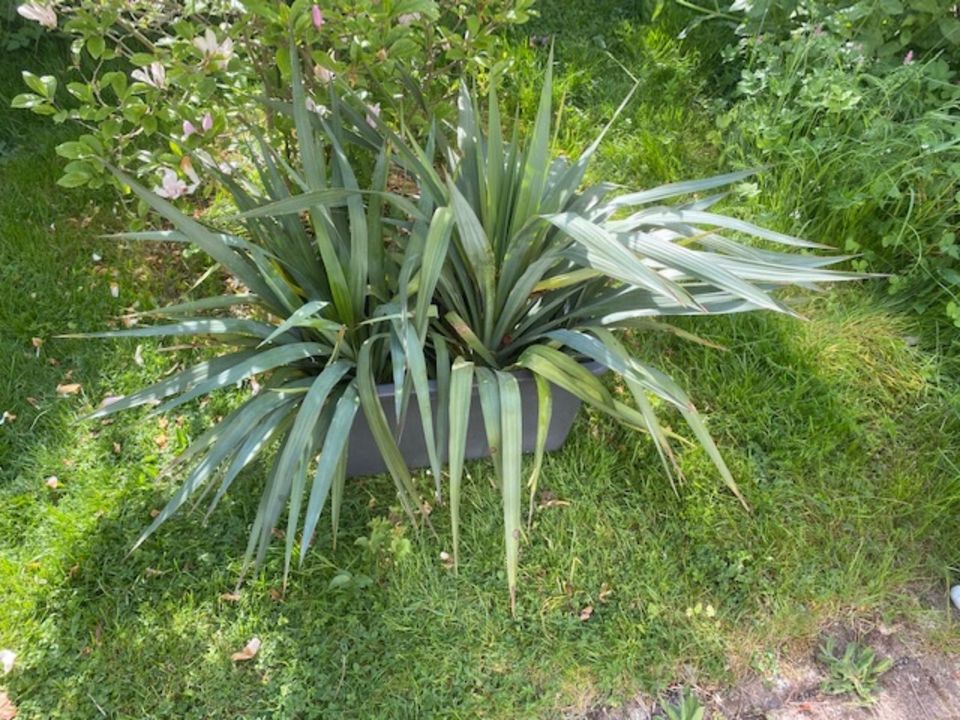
[(524, 375)]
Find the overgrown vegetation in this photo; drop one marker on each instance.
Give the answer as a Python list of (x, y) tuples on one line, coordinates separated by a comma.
[(856, 108), (843, 431)]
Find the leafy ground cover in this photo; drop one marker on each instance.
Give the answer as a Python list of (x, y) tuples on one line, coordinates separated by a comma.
[(842, 432)]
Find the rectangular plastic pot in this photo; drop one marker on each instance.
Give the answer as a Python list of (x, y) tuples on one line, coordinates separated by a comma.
[(364, 455)]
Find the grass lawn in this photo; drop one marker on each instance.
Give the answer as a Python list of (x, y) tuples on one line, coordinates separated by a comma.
[(843, 432)]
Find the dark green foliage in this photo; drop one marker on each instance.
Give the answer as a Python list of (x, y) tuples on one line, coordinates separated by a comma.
[(862, 146)]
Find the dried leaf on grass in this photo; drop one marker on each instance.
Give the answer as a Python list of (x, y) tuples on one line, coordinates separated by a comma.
[(8, 711), (586, 613), (68, 389), (249, 651)]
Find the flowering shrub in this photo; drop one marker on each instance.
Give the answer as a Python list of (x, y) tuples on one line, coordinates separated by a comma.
[(158, 85), (884, 29)]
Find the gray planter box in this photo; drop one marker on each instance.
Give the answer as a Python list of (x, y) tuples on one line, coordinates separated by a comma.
[(364, 456)]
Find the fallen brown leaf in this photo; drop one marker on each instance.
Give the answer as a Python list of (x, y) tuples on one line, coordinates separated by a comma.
[(152, 572), (154, 513), (230, 597), (586, 613), (52, 482), (276, 595), (605, 592), (161, 440), (7, 417), (249, 651), (8, 711), (68, 389), (446, 559), (33, 402)]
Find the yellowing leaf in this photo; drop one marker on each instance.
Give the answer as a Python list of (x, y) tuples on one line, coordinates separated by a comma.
[(249, 651)]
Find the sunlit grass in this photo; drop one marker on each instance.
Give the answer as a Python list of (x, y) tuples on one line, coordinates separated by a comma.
[(842, 430)]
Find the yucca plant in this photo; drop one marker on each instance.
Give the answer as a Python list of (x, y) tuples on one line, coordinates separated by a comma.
[(494, 260)]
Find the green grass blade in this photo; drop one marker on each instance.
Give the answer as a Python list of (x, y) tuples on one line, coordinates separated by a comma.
[(489, 392), (671, 216), (173, 385), (537, 163), (358, 263), (376, 419), (223, 439), (304, 316), (544, 415), (431, 263), (262, 362), (193, 326), (696, 424), (258, 440), (216, 302), (336, 496), (462, 329), (292, 461), (511, 436), (606, 254), (333, 451), (476, 248), (679, 189), (442, 376), (417, 364), (461, 394)]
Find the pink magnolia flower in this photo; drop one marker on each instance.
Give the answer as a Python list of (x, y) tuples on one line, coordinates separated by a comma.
[(207, 122), (908, 58), (218, 52), (43, 14), (317, 16), (171, 187), (188, 129), (154, 74)]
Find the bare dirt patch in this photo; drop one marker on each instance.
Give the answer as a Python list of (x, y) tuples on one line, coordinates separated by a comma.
[(922, 684)]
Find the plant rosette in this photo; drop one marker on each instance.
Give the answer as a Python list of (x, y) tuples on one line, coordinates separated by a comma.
[(494, 258)]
